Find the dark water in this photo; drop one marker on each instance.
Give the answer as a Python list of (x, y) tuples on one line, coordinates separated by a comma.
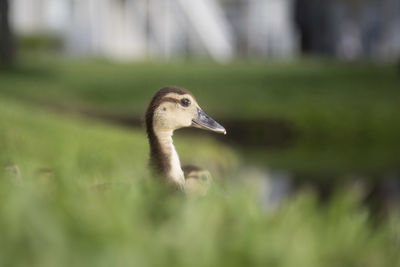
[(288, 162)]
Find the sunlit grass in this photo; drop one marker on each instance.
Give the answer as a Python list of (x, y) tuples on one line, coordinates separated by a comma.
[(34, 140), (76, 193)]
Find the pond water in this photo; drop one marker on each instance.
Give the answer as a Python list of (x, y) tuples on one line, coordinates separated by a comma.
[(285, 162)]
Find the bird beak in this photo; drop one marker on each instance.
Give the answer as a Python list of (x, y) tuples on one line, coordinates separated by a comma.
[(203, 121)]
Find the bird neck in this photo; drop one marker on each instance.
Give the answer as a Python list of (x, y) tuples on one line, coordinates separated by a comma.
[(163, 156)]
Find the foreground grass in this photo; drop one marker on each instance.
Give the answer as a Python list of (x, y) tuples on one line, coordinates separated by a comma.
[(139, 224), (56, 211)]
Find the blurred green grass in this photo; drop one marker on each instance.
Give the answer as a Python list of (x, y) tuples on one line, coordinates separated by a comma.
[(323, 100), (34, 140), (53, 214)]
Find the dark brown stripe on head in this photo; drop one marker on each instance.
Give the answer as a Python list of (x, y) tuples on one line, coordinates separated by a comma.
[(159, 97), (159, 161), (168, 99), (172, 89)]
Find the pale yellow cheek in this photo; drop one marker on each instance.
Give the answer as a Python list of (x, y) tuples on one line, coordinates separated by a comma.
[(182, 118), (172, 116)]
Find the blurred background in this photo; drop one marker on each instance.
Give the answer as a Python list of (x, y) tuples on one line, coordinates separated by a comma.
[(308, 90), (220, 30)]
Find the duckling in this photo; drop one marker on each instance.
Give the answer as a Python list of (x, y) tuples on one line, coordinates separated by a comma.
[(172, 108)]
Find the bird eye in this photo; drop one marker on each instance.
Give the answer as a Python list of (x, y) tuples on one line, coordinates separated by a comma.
[(185, 102)]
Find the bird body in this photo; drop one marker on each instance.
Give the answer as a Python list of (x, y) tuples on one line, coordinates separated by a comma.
[(172, 108)]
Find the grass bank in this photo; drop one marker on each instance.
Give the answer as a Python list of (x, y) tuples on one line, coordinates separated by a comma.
[(53, 214)]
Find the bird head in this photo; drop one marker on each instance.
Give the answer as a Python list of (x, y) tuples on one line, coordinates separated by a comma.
[(172, 108)]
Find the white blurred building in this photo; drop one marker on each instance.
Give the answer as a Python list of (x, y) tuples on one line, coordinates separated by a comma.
[(219, 29), (145, 29)]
